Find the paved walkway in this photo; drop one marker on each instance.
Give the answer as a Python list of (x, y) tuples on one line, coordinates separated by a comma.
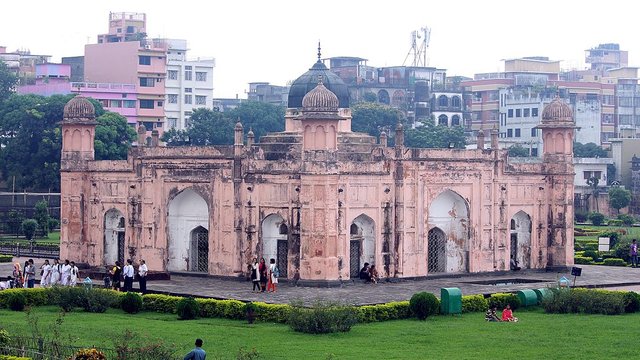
[(623, 278)]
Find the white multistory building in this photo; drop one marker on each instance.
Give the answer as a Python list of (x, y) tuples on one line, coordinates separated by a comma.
[(189, 85)]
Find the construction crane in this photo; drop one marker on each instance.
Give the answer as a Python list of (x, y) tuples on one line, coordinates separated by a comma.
[(419, 45)]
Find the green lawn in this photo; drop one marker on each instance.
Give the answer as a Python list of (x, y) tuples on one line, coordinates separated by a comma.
[(53, 238), (536, 336)]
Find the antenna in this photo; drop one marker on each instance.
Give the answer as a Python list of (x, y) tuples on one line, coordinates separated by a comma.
[(419, 45)]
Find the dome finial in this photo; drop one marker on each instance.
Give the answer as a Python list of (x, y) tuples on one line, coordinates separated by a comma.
[(320, 78), (319, 52)]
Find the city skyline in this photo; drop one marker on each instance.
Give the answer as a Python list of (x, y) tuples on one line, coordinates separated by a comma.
[(276, 41)]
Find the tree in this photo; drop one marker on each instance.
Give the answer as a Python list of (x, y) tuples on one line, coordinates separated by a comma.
[(113, 137), (619, 198), (435, 136), (41, 215), (589, 150), (593, 184), (370, 97), (261, 117), (209, 127), (596, 218), (29, 227), (8, 81), (518, 151), (373, 118), (14, 221)]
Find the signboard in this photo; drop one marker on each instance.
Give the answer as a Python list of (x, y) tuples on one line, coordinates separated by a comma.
[(603, 244)]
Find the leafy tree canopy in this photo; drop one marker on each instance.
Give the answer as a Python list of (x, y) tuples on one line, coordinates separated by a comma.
[(588, 150), (434, 136), (7, 81), (619, 198), (208, 127), (518, 151), (113, 137), (373, 118), (258, 116)]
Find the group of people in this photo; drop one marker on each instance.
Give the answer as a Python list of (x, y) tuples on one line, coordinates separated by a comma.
[(126, 274), (263, 277), (369, 273), (65, 274), (507, 314)]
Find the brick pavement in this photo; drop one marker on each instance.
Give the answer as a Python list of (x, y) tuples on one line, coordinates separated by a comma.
[(356, 292)]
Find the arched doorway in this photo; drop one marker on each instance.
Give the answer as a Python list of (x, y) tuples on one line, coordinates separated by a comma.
[(362, 244), (521, 239), (114, 235), (275, 242), (187, 211), (383, 97), (450, 214), (199, 250), (436, 258)]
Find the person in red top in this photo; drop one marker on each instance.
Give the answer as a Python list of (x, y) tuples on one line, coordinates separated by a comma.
[(507, 314)]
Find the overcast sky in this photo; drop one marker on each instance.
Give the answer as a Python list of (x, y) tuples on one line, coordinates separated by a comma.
[(276, 40)]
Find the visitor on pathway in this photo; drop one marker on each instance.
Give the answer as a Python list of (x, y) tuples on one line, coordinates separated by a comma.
[(373, 274), (45, 274), (274, 273), (66, 273), (491, 314), (17, 275), (514, 264), (56, 271), (197, 353), (255, 275), (73, 274), (116, 273), (507, 314), (142, 276), (263, 274), (30, 273), (633, 253), (364, 273), (128, 273)]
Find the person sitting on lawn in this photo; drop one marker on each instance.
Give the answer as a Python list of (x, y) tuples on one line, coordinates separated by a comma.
[(507, 314), (491, 314)]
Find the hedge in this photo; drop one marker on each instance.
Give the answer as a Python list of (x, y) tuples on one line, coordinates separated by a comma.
[(581, 260), (614, 262), (588, 301), (474, 303), (9, 357), (5, 258)]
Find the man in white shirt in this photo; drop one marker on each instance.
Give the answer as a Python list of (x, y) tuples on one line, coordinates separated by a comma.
[(142, 273), (128, 272)]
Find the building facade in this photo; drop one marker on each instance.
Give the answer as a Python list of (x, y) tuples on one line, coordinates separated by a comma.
[(318, 198)]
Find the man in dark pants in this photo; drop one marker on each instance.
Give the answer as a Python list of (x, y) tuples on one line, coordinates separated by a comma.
[(128, 272)]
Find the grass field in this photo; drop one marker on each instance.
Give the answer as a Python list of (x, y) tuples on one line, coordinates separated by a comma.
[(53, 238), (536, 336)]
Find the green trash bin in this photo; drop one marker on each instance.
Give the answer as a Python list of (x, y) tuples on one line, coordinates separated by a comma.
[(450, 301), (542, 293), (527, 297)]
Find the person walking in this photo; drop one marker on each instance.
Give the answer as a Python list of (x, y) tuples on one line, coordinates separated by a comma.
[(262, 268), (66, 273), (197, 353), (17, 275), (273, 276), (633, 253), (255, 275), (30, 273), (73, 274), (142, 276), (45, 274), (128, 272), (116, 273), (56, 271)]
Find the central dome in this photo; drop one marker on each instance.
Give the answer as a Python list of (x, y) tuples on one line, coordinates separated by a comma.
[(320, 99), (309, 80)]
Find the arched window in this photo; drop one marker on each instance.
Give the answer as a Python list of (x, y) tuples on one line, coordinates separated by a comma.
[(354, 229), (443, 100), (284, 230), (455, 120), (443, 120), (455, 101)]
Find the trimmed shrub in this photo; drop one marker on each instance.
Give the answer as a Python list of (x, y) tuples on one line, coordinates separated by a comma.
[(67, 297), (160, 303), (322, 318), (423, 305), (631, 302), (382, 312), (89, 354), (188, 308), (591, 254), (98, 300), (11, 357), (278, 313), (621, 249), (474, 303), (4, 338), (581, 216), (16, 301), (596, 218), (626, 219), (581, 260), (586, 301), (5, 258), (29, 227), (614, 262), (33, 297), (614, 222), (500, 300), (131, 303)]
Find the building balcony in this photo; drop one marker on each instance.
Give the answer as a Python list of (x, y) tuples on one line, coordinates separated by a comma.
[(103, 87)]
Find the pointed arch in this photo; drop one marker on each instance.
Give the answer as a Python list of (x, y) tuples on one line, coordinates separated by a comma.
[(362, 245), (275, 241), (521, 239), (436, 253), (187, 211), (450, 213), (114, 237)]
